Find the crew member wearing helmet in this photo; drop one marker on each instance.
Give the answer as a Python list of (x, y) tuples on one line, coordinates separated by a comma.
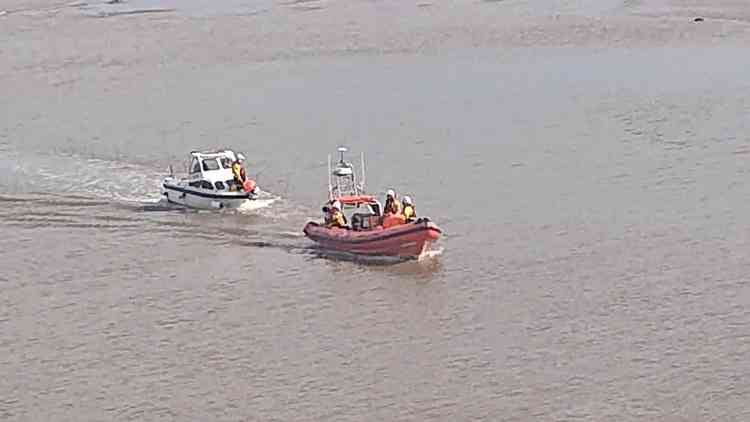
[(336, 218), (410, 213), (238, 170), (327, 213), (392, 205)]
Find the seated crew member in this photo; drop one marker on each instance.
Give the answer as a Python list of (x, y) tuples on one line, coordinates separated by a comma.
[(238, 171), (392, 205), (410, 213), (336, 218), (327, 212)]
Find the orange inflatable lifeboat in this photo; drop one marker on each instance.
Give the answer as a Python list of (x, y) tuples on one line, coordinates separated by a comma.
[(370, 232), (409, 240)]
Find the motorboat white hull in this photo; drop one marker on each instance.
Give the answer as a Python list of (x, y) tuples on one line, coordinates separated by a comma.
[(204, 199)]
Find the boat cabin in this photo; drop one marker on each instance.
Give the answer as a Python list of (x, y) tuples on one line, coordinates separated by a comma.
[(212, 170)]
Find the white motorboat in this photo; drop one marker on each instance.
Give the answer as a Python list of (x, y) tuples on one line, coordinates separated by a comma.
[(210, 183)]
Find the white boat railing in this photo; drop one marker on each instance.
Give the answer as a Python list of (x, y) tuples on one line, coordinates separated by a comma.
[(342, 177)]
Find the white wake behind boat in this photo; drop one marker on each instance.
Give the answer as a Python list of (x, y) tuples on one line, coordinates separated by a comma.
[(210, 183)]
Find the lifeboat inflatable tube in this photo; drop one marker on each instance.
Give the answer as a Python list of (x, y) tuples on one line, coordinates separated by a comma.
[(409, 240)]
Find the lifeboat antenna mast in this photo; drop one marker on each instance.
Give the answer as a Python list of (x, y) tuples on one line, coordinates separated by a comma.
[(362, 182), (330, 183)]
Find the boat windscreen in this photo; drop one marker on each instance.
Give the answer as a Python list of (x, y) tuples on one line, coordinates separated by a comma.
[(210, 164)]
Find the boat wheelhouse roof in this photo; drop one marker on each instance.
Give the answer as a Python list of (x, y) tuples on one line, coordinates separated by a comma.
[(217, 163), (213, 154)]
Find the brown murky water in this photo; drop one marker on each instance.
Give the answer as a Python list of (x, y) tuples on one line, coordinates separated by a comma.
[(593, 192)]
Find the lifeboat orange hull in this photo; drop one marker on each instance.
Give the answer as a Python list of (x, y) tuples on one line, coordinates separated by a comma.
[(407, 240)]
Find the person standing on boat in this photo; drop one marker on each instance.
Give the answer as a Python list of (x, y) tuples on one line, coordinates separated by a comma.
[(392, 205), (336, 218), (410, 213), (238, 170)]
